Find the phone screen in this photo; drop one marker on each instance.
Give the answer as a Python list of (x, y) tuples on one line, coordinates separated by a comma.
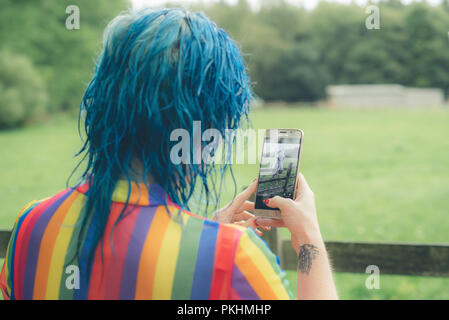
[(278, 167)]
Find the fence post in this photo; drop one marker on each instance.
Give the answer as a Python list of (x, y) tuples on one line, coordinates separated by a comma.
[(287, 178), (274, 241), (272, 237), (4, 239)]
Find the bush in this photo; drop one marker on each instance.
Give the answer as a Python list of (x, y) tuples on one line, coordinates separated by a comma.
[(23, 94)]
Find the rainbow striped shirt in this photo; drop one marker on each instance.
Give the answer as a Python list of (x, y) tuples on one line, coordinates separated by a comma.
[(150, 255)]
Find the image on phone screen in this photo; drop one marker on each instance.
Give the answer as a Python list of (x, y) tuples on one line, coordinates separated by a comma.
[(278, 168)]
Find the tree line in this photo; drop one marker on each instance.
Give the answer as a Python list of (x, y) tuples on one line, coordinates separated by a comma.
[(293, 53)]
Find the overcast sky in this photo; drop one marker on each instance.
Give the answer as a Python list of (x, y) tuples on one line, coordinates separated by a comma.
[(309, 4)]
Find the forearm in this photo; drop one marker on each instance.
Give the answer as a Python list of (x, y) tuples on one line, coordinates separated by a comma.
[(315, 279)]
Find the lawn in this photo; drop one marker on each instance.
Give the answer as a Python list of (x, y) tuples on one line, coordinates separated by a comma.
[(378, 175)]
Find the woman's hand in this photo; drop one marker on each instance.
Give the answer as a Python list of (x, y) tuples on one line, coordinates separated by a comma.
[(315, 279), (237, 211), (298, 215)]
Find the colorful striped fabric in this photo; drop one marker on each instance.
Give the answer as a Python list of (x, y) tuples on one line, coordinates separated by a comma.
[(148, 254)]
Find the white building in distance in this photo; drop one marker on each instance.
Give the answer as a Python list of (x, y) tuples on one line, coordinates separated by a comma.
[(383, 95)]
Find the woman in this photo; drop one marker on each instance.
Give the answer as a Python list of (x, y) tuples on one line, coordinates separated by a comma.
[(279, 165), (124, 231)]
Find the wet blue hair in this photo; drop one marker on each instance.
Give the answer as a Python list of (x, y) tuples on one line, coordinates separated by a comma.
[(159, 70)]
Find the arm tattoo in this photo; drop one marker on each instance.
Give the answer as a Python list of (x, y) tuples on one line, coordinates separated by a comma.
[(307, 253)]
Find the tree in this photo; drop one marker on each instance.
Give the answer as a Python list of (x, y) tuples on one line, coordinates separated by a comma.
[(65, 58), (22, 91), (292, 74)]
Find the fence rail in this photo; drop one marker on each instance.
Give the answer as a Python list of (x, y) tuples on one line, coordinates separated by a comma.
[(283, 188), (391, 258)]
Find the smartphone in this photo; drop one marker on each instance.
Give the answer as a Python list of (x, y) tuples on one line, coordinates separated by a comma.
[(279, 167)]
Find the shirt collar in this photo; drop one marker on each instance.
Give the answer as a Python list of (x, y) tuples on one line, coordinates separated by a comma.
[(141, 194)]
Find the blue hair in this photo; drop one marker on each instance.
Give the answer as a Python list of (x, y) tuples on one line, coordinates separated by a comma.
[(160, 70)]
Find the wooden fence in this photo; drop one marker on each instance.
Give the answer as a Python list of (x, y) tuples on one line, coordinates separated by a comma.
[(391, 258), (279, 189)]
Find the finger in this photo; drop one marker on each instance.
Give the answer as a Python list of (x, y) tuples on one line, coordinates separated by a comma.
[(247, 205), (243, 196), (264, 228), (302, 188), (247, 223), (279, 202), (276, 223), (250, 223), (243, 215)]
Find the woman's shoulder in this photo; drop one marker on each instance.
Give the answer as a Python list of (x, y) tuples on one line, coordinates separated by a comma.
[(32, 207)]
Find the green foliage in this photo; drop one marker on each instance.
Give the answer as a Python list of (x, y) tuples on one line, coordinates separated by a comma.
[(281, 65), (295, 74), (23, 93), (65, 58), (293, 53)]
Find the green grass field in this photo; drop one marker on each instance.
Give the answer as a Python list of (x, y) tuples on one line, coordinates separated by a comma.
[(378, 175)]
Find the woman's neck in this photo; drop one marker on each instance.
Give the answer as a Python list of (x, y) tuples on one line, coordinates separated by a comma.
[(136, 173)]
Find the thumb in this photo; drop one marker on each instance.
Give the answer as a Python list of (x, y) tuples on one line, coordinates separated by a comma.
[(279, 202)]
